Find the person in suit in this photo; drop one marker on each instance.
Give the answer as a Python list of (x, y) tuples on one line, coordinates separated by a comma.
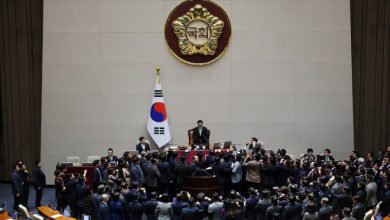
[(137, 175), (97, 176), (135, 207), (292, 211), (164, 208), (251, 203), (111, 157), (192, 211), (214, 209), (59, 190), (254, 145), (371, 188), (311, 213), (116, 207), (253, 166), (359, 209), (142, 145), (326, 210), (200, 136), (347, 214), (274, 211), (326, 157), (180, 171), (17, 186), (39, 181), (150, 205), (263, 203), (166, 176), (152, 176), (104, 210)]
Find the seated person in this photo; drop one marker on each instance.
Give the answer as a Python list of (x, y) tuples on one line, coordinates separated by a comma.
[(111, 158), (142, 146), (200, 136)]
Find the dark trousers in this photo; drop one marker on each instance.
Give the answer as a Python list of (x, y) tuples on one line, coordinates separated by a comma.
[(24, 196), (17, 202), (38, 197)]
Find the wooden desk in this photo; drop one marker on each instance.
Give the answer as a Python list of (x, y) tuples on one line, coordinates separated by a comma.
[(4, 216), (47, 212)]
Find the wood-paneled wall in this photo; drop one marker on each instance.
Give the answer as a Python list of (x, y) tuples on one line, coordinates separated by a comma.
[(370, 21), (21, 23)]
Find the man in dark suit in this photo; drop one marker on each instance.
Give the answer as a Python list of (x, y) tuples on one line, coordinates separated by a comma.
[(263, 203), (104, 210), (254, 145), (111, 157), (152, 176), (251, 202), (180, 171), (150, 207), (192, 211), (39, 181), (326, 157), (326, 210), (97, 176), (17, 186), (200, 136), (359, 209), (142, 145), (137, 175), (292, 211)]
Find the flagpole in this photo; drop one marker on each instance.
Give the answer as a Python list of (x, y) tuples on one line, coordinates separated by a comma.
[(158, 74)]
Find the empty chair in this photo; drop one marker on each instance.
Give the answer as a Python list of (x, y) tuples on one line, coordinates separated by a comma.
[(37, 217), (23, 213), (92, 158), (73, 159)]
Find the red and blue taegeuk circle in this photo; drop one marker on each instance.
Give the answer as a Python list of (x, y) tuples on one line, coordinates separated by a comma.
[(157, 112)]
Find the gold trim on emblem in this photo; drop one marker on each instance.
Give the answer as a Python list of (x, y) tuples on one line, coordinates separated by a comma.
[(198, 31)]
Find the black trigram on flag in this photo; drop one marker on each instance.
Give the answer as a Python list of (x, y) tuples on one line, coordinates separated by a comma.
[(158, 93), (159, 130)]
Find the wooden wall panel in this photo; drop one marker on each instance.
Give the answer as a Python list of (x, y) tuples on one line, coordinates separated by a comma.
[(370, 26), (21, 25)]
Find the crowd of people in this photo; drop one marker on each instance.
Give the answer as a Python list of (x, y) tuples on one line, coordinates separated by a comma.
[(255, 184)]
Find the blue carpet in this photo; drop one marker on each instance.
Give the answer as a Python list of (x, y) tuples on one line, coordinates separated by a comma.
[(7, 197)]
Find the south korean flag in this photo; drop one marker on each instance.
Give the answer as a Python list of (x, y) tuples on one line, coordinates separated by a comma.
[(158, 126)]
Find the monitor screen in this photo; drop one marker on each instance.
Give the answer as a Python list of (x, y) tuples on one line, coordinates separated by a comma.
[(67, 213), (85, 217)]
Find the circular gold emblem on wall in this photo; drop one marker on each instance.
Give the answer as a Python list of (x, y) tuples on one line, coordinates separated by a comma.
[(198, 32)]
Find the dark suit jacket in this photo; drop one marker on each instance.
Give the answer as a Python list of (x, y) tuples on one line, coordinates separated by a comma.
[(150, 209), (292, 212), (96, 177), (165, 172), (137, 176), (262, 206), (250, 211), (104, 211), (325, 212), (191, 213), (152, 176), (135, 210), (38, 177), (273, 212), (114, 159), (139, 147), (16, 181), (181, 170), (200, 138), (358, 211)]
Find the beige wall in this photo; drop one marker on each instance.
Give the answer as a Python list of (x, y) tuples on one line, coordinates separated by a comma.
[(285, 79)]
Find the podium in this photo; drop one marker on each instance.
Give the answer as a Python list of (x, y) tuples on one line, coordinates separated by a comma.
[(197, 184)]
